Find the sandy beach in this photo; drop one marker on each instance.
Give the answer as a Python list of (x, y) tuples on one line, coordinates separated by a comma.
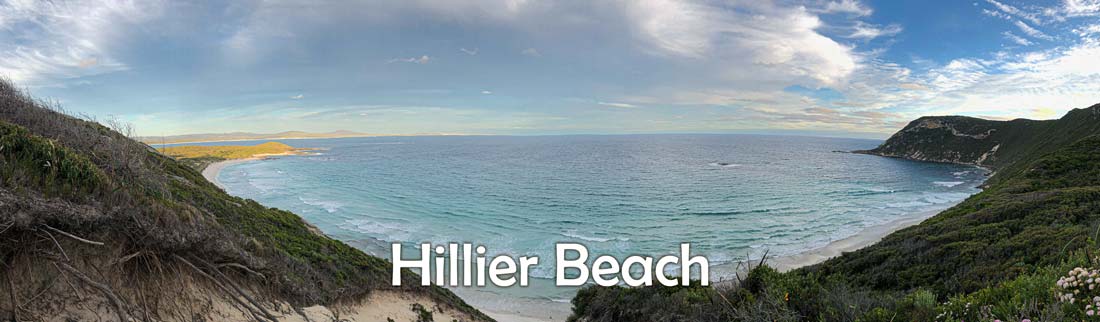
[(210, 173), (865, 238), (212, 170)]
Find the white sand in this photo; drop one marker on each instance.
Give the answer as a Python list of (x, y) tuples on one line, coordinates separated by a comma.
[(865, 238), (212, 170)]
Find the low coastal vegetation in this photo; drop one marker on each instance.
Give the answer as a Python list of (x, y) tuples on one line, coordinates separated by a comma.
[(228, 151), (96, 226), (1024, 249), (199, 156)]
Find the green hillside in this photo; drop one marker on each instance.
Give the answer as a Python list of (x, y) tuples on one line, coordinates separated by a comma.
[(997, 255), (149, 217)]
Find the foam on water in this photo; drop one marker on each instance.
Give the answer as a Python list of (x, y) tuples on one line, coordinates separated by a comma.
[(327, 205), (948, 184), (574, 234)]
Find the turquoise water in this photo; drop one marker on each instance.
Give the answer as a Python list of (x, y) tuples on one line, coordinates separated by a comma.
[(731, 196)]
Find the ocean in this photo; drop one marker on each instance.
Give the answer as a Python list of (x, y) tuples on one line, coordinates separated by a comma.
[(731, 196)]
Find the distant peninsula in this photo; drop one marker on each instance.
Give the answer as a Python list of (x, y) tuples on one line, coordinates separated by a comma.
[(248, 136)]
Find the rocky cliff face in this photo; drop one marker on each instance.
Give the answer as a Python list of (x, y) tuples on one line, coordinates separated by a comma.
[(987, 143), (951, 139)]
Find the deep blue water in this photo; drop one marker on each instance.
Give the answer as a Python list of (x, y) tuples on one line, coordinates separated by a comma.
[(728, 195)]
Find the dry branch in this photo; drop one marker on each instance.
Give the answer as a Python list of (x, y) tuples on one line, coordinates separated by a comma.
[(59, 231), (242, 267), (62, 249), (127, 258)]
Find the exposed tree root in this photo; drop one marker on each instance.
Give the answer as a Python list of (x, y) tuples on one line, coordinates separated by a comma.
[(260, 316), (239, 291), (106, 290)]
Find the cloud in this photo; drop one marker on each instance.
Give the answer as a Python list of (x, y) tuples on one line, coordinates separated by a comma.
[(1081, 8), (720, 57), (847, 6), (414, 60), (47, 42), (1034, 33), (1088, 30), (1015, 84), (996, 14), (617, 105), (1016, 12), (868, 31), (772, 43), (531, 52), (1016, 39), (827, 118), (297, 97)]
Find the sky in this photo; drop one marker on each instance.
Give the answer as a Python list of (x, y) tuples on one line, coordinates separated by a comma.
[(524, 67)]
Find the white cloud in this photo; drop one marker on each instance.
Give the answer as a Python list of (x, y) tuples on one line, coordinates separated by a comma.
[(1016, 12), (297, 97), (868, 31), (1034, 33), (1085, 31), (414, 60), (1016, 39), (1014, 85), (769, 42), (1081, 8), (470, 52), (679, 27), (487, 92), (617, 105), (848, 6), (996, 14)]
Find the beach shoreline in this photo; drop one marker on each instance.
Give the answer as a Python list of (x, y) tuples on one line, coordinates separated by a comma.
[(211, 171), (866, 237)]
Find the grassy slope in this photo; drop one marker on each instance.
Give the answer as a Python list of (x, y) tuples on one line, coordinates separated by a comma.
[(999, 250), (162, 208)]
